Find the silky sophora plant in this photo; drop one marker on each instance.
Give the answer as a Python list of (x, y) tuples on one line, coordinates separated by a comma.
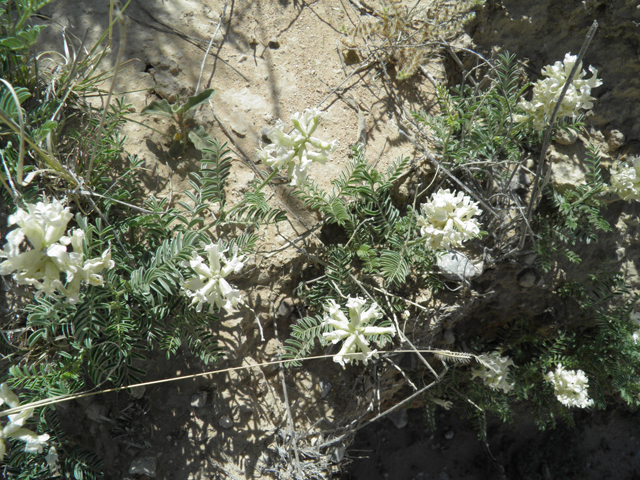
[(446, 221), (43, 225), (353, 331), (546, 93), (210, 286), (297, 151)]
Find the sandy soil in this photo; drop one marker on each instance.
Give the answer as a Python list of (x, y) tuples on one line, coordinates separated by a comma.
[(268, 60)]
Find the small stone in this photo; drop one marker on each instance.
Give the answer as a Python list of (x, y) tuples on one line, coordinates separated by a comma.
[(615, 139), (138, 392), (225, 422), (527, 278), (199, 399), (238, 128), (338, 454), (274, 44), (285, 309), (242, 58), (449, 337), (325, 388), (400, 418), (264, 135), (143, 466), (449, 435), (566, 137), (456, 266), (97, 412)]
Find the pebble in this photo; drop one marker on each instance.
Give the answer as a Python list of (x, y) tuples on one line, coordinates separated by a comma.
[(449, 435), (225, 422), (138, 392), (527, 278), (615, 139), (456, 266), (325, 388), (242, 58), (285, 309), (143, 466), (566, 137), (400, 418), (199, 399)]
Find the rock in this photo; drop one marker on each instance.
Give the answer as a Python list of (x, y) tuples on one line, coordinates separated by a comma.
[(527, 278), (325, 388), (449, 337), (285, 309), (449, 435), (199, 399), (274, 44), (225, 422), (138, 392), (97, 412), (238, 127), (566, 172), (400, 418), (566, 137), (338, 454), (456, 266), (143, 466), (615, 139), (242, 58)]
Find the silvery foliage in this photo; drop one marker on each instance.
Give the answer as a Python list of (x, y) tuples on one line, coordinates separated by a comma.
[(210, 286), (292, 152), (546, 92), (34, 443), (570, 387), (44, 225), (446, 221), (354, 330), (494, 371)]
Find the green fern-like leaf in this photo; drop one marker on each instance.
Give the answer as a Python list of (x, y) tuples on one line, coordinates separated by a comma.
[(304, 334)]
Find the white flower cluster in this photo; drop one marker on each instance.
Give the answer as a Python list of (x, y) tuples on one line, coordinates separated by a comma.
[(570, 387), (210, 285), (546, 92), (354, 330), (625, 180), (447, 220), (44, 225), (292, 152), (494, 372), (34, 443)]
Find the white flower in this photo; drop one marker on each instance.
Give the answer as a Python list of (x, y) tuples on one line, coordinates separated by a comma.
[(44, 225), (446, 220), (494, 371), (446, 404), (34, 443), (570, 387), (625, 180), (547, 91), (292, 152), (353, 330), (210, 285)]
